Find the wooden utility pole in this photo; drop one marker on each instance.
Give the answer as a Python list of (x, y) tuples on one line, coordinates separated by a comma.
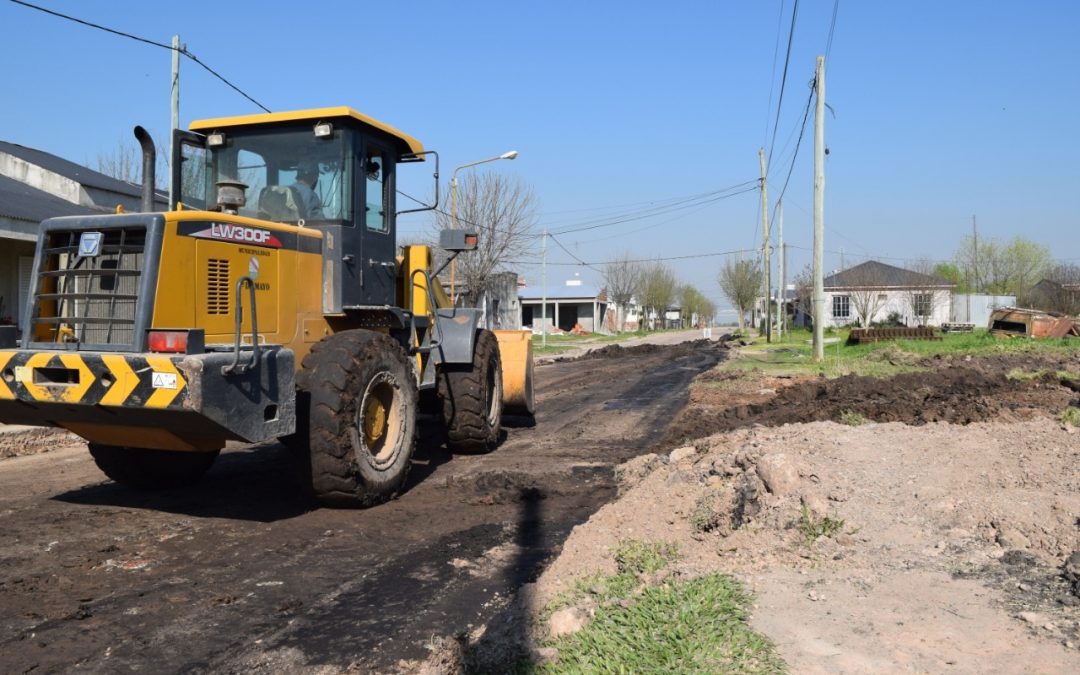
[(975, 251), (766, 276), (175, 105), (819, 210), (543, 291), (781, 292)]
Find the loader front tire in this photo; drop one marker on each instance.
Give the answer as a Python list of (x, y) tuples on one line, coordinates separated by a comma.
[(146, 469), (362, 418), (472, 399)]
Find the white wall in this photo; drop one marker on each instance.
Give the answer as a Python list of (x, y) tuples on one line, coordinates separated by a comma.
[(896, 300)]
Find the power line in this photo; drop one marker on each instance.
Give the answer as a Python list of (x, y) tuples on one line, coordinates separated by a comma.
[(713, 198), (152, 43), (798, 143), (783, 80), (772, 73), (560, 245), (832, 27), (640, 260)]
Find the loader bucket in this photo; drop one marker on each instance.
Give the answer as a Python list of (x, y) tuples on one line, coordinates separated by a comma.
[(515, 350)]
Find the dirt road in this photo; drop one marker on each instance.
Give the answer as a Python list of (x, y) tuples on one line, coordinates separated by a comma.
[(239, 574)]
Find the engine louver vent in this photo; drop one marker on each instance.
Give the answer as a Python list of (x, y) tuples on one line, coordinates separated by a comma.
[(217, 286)]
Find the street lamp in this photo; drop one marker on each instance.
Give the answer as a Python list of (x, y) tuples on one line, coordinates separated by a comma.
[(453, 208)]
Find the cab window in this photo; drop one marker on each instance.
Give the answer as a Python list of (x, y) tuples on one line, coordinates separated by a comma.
[(375, 191)]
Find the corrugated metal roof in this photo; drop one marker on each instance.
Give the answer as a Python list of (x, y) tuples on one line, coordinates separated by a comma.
[(76, 172), (559, 291), (19, 201), (874, 274)]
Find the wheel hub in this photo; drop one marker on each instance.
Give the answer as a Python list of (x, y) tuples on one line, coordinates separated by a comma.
[(378, 419)]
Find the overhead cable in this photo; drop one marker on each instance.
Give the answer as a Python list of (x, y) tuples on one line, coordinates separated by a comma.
[(152, 43)]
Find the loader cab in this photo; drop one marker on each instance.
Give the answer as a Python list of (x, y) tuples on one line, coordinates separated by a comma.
[(330, 169)]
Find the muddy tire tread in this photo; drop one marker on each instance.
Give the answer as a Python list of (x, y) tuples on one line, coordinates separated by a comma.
[(464, 403), (330, 379)]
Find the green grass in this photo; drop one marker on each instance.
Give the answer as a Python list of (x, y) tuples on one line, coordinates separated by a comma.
[(852, 418), (794, 356), (1071, 416), (557, 344), (813, 528), (674, 626)]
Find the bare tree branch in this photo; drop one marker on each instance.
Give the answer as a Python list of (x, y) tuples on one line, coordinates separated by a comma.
[(623, 279), (503, 211)]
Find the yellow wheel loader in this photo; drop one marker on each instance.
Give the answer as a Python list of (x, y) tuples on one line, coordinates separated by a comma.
[(269, 301)]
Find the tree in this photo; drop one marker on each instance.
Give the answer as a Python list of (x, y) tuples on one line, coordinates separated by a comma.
[(804, 293), (865, 289), (623, 277), (1003, 269), (125, 163), (740, 280), (502, 210), (695, 305), (658, 286), (924, 295), (952, 273)]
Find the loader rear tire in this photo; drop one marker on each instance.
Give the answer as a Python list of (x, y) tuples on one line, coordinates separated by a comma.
[(146, 469), (472, 399), (362, 418)]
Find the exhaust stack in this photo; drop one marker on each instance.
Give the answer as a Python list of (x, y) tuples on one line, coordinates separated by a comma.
[(148, 162)]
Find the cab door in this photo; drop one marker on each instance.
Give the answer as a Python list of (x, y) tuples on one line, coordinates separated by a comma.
[(375, 222)]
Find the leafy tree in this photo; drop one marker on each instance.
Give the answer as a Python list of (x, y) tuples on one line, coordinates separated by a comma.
[(695, 304), (1003, 269), (740, 280)]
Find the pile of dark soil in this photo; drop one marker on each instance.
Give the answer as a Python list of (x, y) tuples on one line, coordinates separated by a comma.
[(615, 351), (976, 392)]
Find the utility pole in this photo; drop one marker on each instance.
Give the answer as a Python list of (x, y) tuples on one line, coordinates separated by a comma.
[(975, 251), (783, 284), (176, 47), (543, 291), (819, 210), (766, 279), (781, 292)]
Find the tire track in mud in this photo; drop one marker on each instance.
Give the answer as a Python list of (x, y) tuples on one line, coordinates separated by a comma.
[(240, 574)]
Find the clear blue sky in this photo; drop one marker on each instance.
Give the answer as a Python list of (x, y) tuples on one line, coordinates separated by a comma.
[(942, 110)]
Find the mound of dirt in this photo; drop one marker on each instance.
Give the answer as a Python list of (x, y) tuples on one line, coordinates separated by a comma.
[(616, 351), (883, 547), (977, 391)]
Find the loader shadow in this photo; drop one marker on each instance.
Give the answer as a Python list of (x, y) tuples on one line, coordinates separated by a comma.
[(260, 483), (263, 483)]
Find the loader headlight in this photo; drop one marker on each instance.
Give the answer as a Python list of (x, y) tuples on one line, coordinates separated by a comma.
[(324, 130)]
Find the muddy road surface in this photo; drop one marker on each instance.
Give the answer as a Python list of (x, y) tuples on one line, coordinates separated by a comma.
[(241, 574)]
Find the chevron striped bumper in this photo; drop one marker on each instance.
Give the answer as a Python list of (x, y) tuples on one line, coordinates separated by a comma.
[(150, 400)]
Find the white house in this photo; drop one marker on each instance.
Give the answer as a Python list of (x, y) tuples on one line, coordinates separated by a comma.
[(873, 292), (572, 303), (35, 186)]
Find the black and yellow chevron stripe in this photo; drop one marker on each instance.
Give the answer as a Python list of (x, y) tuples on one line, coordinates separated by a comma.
[(120, 380)]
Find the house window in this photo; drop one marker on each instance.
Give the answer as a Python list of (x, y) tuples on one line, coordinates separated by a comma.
[(923, 304), (841, 307)]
